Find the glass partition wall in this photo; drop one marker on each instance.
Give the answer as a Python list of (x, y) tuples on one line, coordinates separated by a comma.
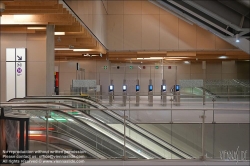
[(191, 130)]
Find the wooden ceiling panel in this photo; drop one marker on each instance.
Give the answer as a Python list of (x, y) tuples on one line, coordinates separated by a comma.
[(45, 12), (39, 13)]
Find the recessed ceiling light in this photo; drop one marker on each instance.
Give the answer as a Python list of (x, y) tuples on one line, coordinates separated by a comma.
[(186, 62), (86, 54), (223, 57)]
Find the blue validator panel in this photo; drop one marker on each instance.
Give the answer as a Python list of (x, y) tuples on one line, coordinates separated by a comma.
[(150, 88), (137, 88), (177, 88)]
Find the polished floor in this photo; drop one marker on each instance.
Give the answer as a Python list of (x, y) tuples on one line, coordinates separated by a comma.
[(190, 110)]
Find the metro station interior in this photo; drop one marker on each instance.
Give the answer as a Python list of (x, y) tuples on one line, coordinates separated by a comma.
[(126, 82)]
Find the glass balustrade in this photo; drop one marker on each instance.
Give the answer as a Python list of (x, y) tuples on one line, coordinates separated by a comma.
[(215, 129)]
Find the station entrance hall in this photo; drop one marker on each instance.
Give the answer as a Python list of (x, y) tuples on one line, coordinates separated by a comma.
[(124, 82)]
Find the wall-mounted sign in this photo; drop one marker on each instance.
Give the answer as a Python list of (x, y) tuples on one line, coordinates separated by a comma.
[(16, 73), (156, 67), (105, 67), (130, 67)]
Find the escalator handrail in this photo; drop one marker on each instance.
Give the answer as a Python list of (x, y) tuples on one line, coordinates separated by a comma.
[(117, 117), (96, 121)]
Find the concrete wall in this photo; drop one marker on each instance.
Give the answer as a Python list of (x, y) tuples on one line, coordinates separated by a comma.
[(36, 61), (171, 72), (141, 25)]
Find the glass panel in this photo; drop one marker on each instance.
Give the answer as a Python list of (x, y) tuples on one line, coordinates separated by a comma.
[(228, 139)]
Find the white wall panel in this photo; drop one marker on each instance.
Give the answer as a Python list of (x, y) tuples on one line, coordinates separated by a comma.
[(20, 80), (20, 72), (15, 73), (10, 80), (20, 54)]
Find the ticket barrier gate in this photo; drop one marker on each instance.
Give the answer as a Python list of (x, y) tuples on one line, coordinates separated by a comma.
[(124, 95), (164, 95), (150, 95), (176, 95), (111, 92), (137, 95)]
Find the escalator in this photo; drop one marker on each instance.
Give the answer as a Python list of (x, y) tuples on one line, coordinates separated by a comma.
[(207, 92), (105, 116), (85, 133)]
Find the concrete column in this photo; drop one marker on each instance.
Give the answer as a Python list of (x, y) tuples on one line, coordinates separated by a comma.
[(50, 58)]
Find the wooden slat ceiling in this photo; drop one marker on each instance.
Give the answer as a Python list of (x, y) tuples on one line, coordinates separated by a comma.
[(45, 12)]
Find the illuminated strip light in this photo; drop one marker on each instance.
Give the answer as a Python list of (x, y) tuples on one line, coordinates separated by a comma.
[(172, 59), (63, 49), (83, 50), (59, 33), (35, 132), (36, 135), (151, 52), (176, 57), (36, 28), (151, 58)]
